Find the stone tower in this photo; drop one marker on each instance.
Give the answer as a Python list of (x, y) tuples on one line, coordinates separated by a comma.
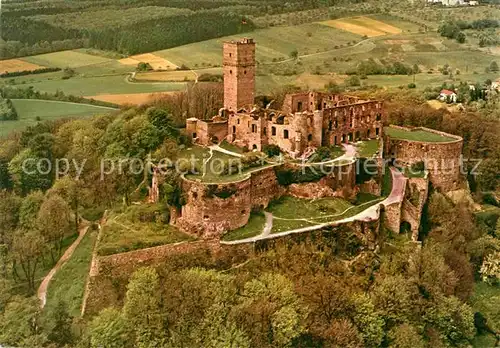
[(239, 74)]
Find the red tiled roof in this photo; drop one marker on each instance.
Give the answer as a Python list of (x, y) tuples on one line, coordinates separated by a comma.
[(447, 92)]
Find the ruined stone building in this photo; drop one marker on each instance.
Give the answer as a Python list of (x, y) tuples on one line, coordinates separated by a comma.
[(307, 120)]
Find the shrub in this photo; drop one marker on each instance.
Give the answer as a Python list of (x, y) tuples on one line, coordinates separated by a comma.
[(353, 81), (144, 67), (412, 85), (7, 110), (271, 150)]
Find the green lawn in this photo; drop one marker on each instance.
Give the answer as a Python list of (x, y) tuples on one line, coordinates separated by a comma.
[(253, 228), (209, 168), (293, 213), (68, 284), (289, 207), (368, 148), (416, 135), (120, 234), (29, 109), (63, 59)]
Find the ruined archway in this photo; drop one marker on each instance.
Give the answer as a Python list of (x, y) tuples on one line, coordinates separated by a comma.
[(404, 227)]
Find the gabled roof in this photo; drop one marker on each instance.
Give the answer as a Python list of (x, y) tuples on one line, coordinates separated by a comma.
[(446, 92)]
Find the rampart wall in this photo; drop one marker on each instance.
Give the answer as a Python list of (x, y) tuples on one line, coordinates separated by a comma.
[(442, 159)]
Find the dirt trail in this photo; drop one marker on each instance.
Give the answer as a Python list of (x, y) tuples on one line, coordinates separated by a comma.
[(42, 290)]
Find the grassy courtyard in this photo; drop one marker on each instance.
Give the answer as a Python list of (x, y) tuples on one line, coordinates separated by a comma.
[(367, 148), (417, 135), (253, 228)]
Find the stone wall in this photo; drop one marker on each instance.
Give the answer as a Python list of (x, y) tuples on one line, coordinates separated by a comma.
[(210, 132), (212, 209), (442, 159), (416, 194), (264, 188)]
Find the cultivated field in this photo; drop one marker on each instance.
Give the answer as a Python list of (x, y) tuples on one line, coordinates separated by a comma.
[(363, 26), (272, 44), (14, 65), (97, 85), (177, 75), (29, 109), (72, 59), (156, 62), (128, 99)]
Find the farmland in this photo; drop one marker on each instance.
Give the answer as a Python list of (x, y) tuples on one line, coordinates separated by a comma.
[(128, 99), (272, 44), (14, 65), (97, 85), (30, 110), (71, 59)]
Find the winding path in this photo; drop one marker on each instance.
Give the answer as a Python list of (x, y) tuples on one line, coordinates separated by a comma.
[(42, 290), (369, 214)]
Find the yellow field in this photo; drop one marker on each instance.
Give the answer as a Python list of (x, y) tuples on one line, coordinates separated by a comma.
[(176, 75), (129, 99), (14, 65), (363, 26), (156, 62), (377, 25)]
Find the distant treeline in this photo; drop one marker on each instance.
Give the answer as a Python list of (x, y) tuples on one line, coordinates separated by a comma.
[(453, 30), (30, 93), (371, 67), (28, 72), (148, 35), (27, 32)]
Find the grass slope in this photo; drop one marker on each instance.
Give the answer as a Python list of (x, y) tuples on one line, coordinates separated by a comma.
[(29, 109), (68, 283)]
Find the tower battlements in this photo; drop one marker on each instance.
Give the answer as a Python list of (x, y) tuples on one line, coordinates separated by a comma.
[(239, 74)]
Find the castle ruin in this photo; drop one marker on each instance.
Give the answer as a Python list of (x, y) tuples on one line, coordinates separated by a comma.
[(306, 121)]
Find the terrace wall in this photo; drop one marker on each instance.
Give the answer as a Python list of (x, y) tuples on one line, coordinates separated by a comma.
[(442, 159)]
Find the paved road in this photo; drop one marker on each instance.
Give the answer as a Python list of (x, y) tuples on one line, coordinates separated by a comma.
[(369, 214), (42, 290)]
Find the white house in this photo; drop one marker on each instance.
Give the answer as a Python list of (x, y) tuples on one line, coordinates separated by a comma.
[(447, 96)]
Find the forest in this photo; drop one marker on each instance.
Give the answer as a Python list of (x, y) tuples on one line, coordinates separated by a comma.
[(321, 291), (131, 27)]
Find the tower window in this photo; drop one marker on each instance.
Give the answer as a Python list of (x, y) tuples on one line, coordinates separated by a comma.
[(310, 137), (231, 72), (254, 128), (234, 129), (285, 133), (230, 54), (273, 130), (245, 72), (264, 130), (299, 106), (238, 121)]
